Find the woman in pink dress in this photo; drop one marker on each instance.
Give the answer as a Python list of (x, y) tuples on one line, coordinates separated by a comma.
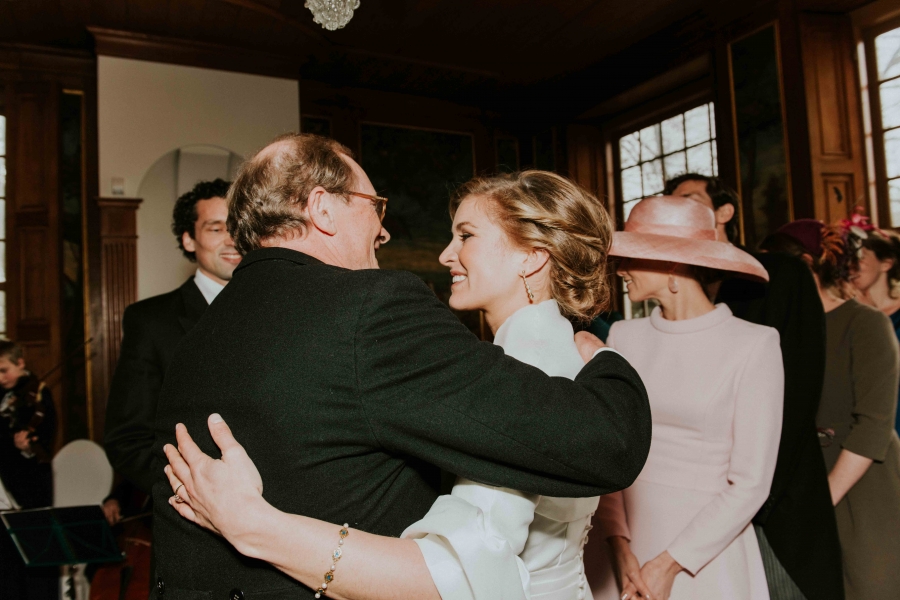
[(715, 383)]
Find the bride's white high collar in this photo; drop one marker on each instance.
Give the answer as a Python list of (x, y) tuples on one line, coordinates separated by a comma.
[(538, 334)]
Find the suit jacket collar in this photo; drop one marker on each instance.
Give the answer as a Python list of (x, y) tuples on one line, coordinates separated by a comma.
[(277, 254), (194, 304)]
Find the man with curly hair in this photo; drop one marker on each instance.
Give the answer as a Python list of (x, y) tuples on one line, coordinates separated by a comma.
[(153, 327)]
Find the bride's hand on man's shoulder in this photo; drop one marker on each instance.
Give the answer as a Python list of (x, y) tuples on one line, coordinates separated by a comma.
[(587, 344), (213, 493)]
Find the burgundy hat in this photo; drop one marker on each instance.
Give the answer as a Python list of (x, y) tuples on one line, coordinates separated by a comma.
[(681, 230), (809, 232)]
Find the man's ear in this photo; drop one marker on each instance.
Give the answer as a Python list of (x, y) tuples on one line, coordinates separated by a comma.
[(188, 242), (20, 363), (724, 213), (535, 261), (320, 210)]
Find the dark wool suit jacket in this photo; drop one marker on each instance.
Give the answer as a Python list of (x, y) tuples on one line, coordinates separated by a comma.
[(351, 389), (798, 518), (151, 329)]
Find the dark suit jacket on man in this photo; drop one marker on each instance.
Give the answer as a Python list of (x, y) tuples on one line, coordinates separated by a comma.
[(798, 518), (152, 329), (350, 389)]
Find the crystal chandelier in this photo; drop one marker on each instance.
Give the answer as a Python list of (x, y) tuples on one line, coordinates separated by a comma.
[(332, 14)]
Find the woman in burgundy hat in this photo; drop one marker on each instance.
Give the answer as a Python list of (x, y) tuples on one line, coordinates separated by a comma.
[(715, 383)]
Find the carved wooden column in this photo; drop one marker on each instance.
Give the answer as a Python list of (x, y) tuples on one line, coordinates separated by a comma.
[(588, 164), (118, 288)]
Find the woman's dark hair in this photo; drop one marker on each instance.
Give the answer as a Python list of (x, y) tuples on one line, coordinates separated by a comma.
[(706, 276), (832, 268), (719, 192), (184, 217), (885, 245)]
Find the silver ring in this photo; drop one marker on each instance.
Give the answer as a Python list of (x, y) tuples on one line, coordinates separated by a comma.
[(180, 485), (177, 498)]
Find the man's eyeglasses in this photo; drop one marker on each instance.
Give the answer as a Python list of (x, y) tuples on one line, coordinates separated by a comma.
[(379, 202)]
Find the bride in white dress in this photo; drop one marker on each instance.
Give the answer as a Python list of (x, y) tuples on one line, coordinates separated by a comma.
[(529, 250)]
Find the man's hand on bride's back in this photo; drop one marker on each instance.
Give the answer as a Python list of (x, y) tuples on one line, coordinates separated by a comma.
[(587, 344), (218, 494)]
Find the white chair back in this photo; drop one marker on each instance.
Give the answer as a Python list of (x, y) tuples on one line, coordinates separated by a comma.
[(81, 474)]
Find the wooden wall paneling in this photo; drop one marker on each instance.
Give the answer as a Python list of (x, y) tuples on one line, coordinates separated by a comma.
[(97, 384), (192, 53), (795, 111), (834, 116), (118, 280), (586, 153), (33, 248), (726, 133)]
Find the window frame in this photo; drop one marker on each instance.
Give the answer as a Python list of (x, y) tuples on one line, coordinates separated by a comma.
[(644, 116), (883, 201), (656, 111), (4, 325)]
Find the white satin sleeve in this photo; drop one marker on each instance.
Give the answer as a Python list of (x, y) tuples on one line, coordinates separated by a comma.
[(471, 540)]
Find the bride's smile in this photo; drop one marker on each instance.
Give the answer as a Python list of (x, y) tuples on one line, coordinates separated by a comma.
[(486, 267)]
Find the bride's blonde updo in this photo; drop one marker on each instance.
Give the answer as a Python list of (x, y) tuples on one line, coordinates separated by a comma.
[(538, 209)]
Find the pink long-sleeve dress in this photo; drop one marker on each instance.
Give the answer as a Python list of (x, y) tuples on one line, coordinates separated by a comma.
[(716, 387)]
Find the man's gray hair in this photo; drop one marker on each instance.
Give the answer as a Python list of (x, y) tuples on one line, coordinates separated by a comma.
[(271, 189)]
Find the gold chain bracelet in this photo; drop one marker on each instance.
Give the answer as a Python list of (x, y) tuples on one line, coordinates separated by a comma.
[(335, 557)]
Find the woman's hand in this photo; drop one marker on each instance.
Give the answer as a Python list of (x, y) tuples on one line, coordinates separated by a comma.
[(587, 344), (659, 574), (627, 570), (220, 495)]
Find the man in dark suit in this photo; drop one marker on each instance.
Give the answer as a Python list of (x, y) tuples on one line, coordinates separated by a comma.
[(153, 327), (796, 526), (351, 387)]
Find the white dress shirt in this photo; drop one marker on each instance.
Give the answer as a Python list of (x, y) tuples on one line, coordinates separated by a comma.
[(208, 286)]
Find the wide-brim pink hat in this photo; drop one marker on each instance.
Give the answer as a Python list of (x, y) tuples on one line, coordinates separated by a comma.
[(681, 230)]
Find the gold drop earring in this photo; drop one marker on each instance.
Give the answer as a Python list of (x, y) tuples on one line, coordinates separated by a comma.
[(527, 287)]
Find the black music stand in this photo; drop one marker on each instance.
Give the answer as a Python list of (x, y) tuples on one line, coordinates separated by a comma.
[(62, 536)]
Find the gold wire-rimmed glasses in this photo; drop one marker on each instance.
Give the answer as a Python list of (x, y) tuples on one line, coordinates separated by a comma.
[(379, 202)]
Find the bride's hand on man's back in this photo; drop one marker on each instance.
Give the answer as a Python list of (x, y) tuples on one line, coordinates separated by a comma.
[(214, 493), (587, 344)]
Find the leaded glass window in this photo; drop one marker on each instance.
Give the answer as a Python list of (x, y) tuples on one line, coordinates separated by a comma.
[(887, 67), (2, 226), (652, 155)]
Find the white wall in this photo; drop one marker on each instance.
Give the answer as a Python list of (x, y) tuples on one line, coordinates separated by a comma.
[(147, 110), (161, 264)]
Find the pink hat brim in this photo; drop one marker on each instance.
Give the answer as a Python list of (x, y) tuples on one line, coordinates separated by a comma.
[(701, 253)]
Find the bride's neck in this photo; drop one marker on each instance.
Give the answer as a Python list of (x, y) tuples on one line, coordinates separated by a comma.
[(496, 316)]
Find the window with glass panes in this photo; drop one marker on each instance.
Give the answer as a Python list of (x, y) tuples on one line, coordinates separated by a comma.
[(652, 155), (2, 226), (886, 60)]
